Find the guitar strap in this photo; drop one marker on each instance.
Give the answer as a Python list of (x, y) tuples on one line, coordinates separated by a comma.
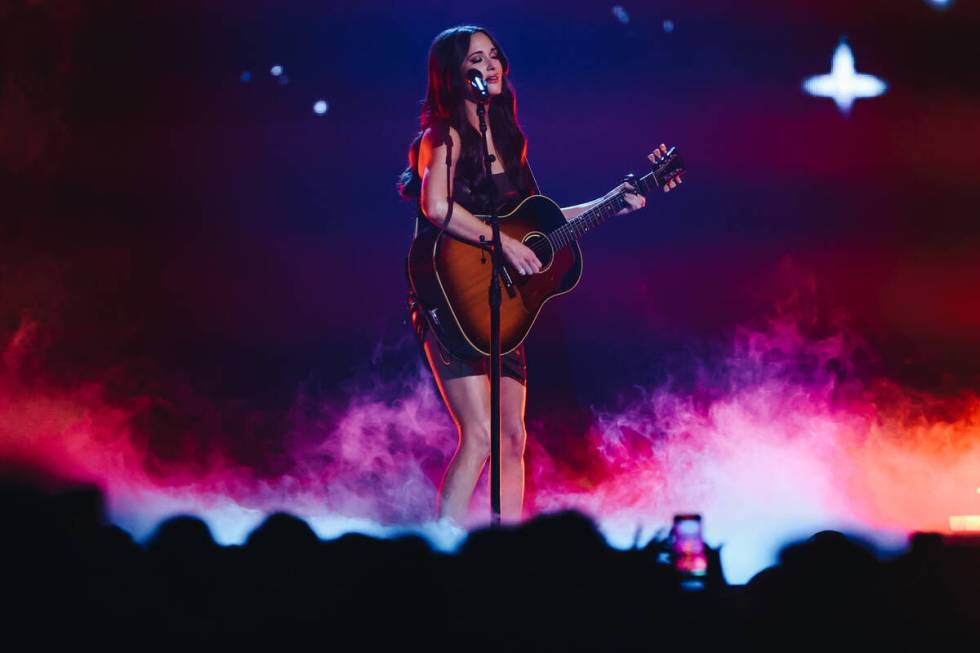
[(449, 182), (534, 182), (449, 192), (412, 299)]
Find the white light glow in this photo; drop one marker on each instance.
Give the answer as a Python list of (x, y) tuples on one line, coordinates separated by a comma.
[(276, 70), (320, 107), (940, 4), (844, 84), (964, 523)]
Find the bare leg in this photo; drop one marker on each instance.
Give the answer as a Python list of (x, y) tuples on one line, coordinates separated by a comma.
[(512, 440), (468, 401)]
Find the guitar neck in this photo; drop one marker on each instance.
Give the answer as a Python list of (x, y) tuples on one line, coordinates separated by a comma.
[(577, 226)]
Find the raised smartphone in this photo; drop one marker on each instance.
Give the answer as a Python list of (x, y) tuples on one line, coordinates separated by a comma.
[(687, 547)]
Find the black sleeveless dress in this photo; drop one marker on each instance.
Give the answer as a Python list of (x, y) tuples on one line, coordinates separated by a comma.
[(450, 365)]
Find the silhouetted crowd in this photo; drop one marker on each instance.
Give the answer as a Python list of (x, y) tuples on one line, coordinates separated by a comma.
[(70, 579)]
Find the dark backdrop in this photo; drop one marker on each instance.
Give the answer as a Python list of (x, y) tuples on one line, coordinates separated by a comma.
[(213, 247)]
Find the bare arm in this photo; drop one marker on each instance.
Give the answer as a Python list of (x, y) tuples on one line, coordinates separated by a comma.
[(571, 212), (634, 200), (436, 185)]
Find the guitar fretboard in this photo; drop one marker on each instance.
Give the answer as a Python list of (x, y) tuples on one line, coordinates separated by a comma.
[(577, 226)]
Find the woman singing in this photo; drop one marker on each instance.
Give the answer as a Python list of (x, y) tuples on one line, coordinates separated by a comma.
[(445, 160)]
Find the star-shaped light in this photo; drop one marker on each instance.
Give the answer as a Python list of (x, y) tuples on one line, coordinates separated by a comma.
[(844, 84)]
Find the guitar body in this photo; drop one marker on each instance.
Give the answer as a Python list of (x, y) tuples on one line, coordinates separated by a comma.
[(451, 279)]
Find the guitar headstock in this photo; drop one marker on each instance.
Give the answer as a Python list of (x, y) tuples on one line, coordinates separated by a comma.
[(669, 165)]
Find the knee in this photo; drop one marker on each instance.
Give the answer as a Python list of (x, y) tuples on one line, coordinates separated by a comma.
[(475, 439), (513, 437)]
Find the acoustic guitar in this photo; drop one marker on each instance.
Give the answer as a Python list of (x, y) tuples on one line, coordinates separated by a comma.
[(450, 276)]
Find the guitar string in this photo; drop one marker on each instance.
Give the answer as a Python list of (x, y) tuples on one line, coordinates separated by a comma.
[(577, 227), (563, 235)]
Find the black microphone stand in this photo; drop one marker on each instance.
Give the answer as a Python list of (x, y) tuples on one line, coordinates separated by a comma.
[(497, 273)]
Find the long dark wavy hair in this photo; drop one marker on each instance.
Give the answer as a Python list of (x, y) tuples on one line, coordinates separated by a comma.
[(444, 105)]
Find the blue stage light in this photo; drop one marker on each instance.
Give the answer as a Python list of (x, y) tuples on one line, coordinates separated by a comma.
[(276, 70), (320, 107), (620, 13)]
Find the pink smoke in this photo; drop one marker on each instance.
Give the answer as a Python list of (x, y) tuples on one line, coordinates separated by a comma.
[(778, 439), (370, 461)]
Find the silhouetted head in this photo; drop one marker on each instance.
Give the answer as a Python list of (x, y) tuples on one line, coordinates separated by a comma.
[(181, 537), (282, 533)]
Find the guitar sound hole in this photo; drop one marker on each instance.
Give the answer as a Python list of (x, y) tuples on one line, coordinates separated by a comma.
[(542, 248)]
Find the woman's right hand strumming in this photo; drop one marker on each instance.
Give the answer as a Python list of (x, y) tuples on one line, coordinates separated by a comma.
[(519, 255)]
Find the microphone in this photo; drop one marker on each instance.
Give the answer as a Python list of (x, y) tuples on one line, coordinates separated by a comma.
[(478, 84)]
